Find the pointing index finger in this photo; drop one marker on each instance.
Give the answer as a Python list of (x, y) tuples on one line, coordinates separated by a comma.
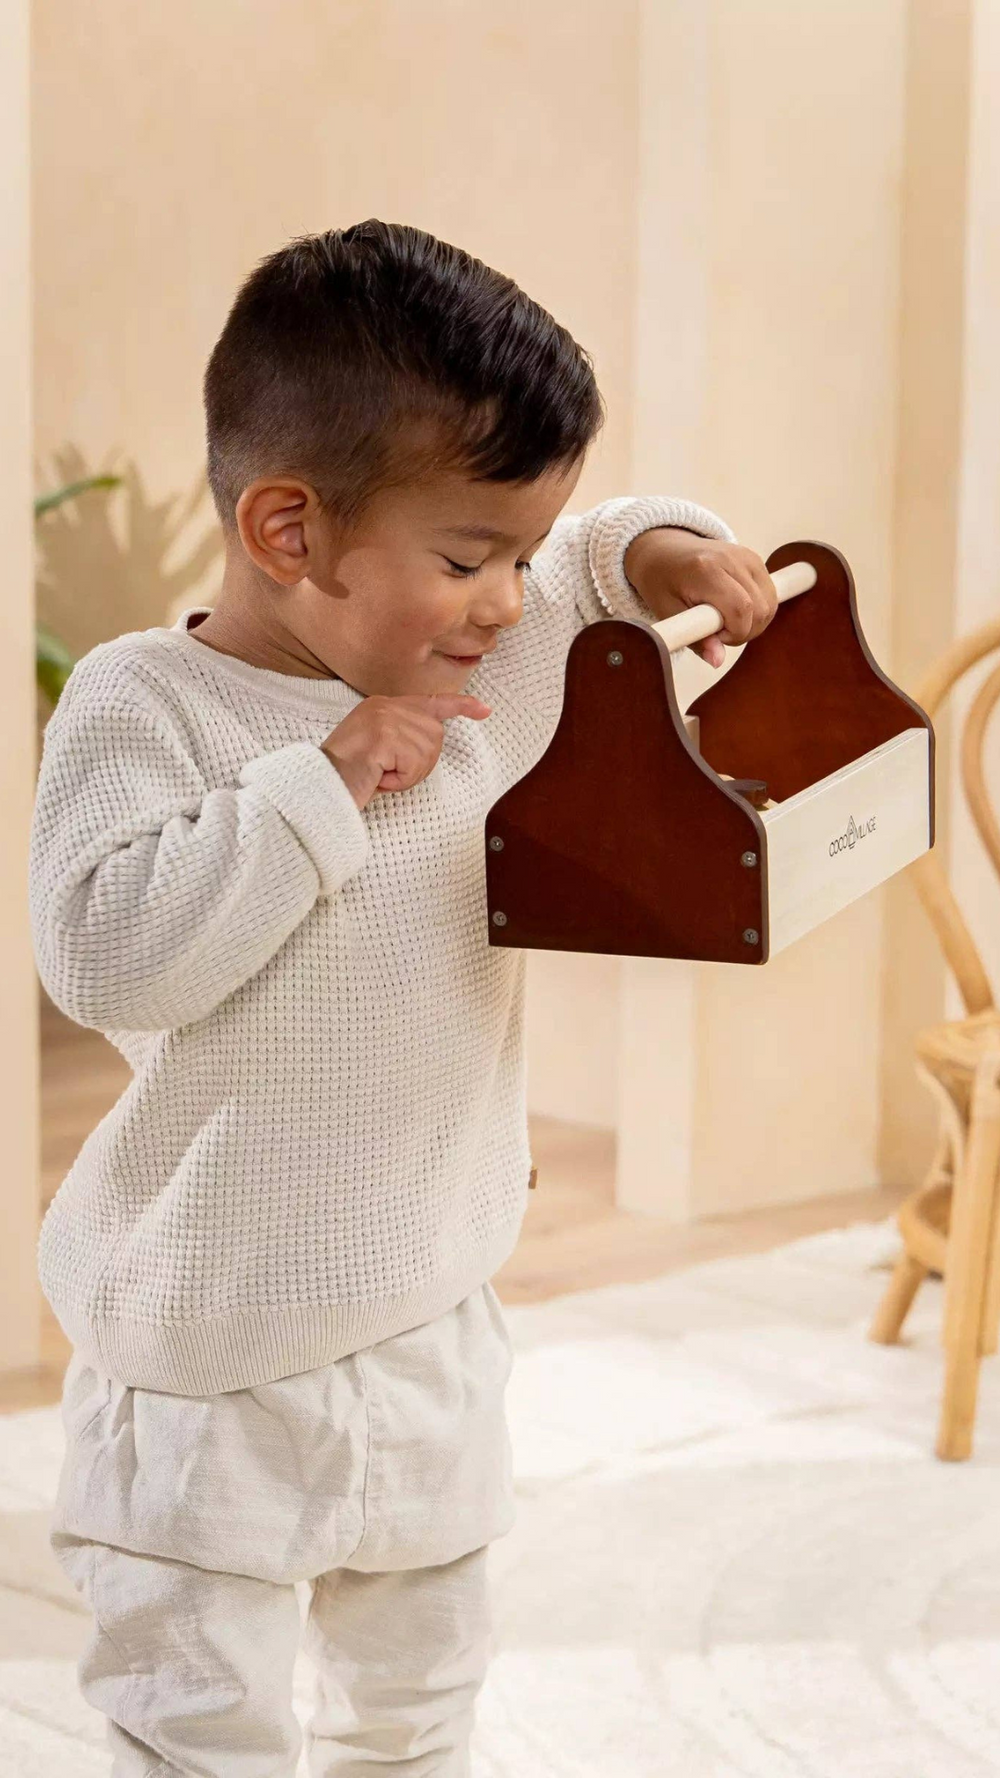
[(444, 704)]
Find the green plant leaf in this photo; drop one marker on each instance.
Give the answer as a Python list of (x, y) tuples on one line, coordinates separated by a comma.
[(53, 663), (48, 502)]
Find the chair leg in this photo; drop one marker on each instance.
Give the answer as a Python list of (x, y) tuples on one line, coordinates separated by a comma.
[(990, 1319), (958, 1408), (909, 1272), (907, 1276), (969, 1244)]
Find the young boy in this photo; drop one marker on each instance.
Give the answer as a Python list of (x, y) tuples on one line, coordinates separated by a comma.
[(258, 868)]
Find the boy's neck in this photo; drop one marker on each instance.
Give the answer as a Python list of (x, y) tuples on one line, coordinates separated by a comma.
[(243, 623)]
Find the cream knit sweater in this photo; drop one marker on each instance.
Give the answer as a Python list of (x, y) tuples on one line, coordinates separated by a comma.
[(324, 1142)]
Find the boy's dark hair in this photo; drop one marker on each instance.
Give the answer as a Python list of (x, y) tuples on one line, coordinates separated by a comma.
[(358, 357)]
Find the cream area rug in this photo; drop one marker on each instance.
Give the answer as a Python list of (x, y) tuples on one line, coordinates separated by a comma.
[(736, 1557)]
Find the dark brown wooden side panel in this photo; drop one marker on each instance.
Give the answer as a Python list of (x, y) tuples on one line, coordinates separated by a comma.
[(807, 697), (620, 840)]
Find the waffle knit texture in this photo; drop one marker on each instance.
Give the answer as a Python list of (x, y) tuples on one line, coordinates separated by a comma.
[(325, 1140)]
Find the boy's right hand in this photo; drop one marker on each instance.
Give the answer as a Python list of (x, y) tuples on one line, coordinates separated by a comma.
[(392, 743)]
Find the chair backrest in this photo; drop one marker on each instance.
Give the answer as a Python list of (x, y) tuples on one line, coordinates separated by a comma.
[(933, 888)]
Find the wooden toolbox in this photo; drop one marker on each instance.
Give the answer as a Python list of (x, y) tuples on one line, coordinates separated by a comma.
[(798, 782)]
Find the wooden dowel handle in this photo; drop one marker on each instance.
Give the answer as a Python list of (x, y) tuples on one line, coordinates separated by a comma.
[(703, 620)]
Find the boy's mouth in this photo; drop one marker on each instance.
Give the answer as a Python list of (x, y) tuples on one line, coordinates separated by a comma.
[(467, 660)]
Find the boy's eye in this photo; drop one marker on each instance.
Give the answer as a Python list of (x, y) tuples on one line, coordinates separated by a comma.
[(469, 573)]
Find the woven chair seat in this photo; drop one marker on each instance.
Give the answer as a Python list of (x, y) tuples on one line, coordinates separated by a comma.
[(952, 1051)]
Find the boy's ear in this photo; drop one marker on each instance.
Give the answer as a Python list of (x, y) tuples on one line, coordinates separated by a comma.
[(273, 516)]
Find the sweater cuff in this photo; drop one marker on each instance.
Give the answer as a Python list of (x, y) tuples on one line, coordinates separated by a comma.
[(619, 523), (308, 792)]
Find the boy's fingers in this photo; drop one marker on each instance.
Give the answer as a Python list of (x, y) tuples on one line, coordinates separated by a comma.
[(766, 594), (750, 570), (738, 606), (751, 609)]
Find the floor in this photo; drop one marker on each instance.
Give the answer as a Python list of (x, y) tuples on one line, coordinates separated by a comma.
[(573, 1238), (735, 1554)]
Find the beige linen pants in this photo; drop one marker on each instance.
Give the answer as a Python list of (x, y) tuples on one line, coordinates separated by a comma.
[(191, 1524)]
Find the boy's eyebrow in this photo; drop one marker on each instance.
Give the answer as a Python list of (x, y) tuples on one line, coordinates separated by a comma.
[(485, 534)]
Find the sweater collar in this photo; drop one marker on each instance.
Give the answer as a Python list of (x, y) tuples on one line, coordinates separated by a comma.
[(287, 688)]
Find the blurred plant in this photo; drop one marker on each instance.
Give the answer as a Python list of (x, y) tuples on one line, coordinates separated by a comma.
[(48, 502), (105, 566), (53, 661)]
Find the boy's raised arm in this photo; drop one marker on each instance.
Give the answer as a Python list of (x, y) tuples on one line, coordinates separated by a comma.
[(584, 558), (154, 896)]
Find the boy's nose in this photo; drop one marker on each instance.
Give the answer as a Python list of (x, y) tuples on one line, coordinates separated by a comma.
[(500, 606)]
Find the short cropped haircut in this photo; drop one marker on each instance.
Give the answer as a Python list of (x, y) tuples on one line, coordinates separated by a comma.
[(364, 356)]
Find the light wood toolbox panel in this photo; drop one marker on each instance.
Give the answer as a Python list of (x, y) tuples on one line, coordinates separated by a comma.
[(842, 837)]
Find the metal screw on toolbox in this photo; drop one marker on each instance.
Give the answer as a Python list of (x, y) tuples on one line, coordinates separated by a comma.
[(749, 859), (496, 843), (615, 658), (499, 919), (750, 937)]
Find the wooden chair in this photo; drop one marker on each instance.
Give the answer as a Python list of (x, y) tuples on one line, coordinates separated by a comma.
[(951, 1226)]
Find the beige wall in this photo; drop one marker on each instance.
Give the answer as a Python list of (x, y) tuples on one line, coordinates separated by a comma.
[(932, 241), (753, 213), (18, 1061), (188, 167), (786, 214), (977, 564), (800, 424), (174, 145), (816, 325)]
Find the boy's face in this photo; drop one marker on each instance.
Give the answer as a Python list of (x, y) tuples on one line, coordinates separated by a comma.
[(413, 596)]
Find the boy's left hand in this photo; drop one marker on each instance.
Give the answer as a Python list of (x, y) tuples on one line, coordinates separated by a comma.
[(672, 569)]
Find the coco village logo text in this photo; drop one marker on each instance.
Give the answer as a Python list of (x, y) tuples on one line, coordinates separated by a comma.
[(846, 842)]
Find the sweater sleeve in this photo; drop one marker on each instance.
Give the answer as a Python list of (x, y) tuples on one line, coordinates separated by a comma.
[(584, 558), (153, 896)]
